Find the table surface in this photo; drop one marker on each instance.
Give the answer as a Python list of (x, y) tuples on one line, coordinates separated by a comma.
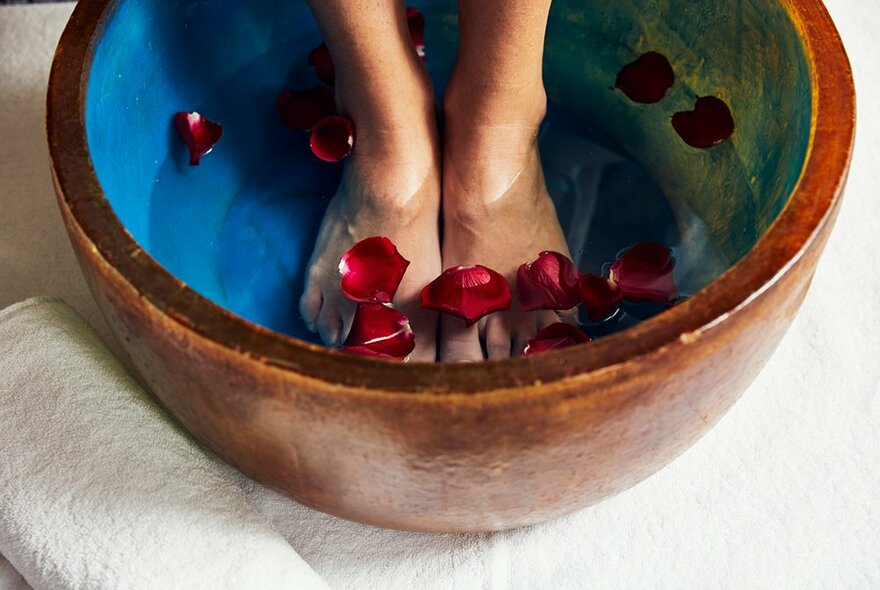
[(784, 492)]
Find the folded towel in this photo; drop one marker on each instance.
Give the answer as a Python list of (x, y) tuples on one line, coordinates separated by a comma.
[(100, 489)]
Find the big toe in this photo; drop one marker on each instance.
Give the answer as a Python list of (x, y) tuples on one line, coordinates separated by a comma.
[(424, 324), (310, 306), (498, 341), (459, 343), (330, 323)]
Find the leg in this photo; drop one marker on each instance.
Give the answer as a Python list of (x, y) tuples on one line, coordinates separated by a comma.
[(495, 204), (391, 182)]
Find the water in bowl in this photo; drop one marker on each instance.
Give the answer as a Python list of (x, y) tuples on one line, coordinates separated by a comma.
[(254, 205)]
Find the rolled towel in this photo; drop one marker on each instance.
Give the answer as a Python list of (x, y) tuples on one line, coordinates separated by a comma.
[(100, 489)]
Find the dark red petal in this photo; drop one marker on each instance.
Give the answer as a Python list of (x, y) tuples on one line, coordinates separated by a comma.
[(364, 351), (320, 59), (415, 20), (601, 297), (301, 110), (554, 337), (332, 138), (549, 282), (382, 330), (709, 124), (644, 273), (372, 270), (647, 79), (468, 293), (200, 134)]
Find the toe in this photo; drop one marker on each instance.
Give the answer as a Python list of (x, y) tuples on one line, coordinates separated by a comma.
[(329, 324), (424, 324), (310, 306), (497, 338), (458, 342)]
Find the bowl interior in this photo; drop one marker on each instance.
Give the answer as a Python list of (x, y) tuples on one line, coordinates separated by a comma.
[(239, 228)]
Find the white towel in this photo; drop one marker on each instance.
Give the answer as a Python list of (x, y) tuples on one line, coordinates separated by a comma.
[(99, 489)]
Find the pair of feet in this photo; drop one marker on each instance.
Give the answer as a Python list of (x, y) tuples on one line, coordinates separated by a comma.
[(486, 178)]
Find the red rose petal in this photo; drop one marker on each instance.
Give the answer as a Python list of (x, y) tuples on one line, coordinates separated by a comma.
[(200, 134), (320, 59), (301, 110), (554, 337), (550, 282), (709, 124), (601, 297), (415, 20), (647, 79), (468, 293), (372, 270), (644, 273), (332, 138), (382, 330)]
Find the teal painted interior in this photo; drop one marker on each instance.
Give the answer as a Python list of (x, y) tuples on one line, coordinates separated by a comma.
[(240, 227)]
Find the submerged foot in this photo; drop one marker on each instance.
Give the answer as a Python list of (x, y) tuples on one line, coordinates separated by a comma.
[(390, 187), (497, 213)]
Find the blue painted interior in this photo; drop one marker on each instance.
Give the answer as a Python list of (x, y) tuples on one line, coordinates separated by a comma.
[(240, 227)]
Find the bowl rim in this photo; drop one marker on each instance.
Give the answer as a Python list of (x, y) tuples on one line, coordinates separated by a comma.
[(811, 206)]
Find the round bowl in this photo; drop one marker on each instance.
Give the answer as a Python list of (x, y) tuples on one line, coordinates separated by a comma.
[(451, 447)]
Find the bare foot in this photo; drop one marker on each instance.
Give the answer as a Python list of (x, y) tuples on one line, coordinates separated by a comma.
[(390, 187), (497, 212)]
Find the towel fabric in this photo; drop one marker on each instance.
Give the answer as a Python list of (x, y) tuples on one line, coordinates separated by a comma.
[(783, 493), (100, 489)]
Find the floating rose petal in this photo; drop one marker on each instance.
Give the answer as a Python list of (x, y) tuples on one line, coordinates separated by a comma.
[(554, 337), (550, 282), (601, 297), (200, 134), (644, 273), (647, 79), (301, 110), (382, 330), (468, 293), (709, 124), (332, 138), (372, 270), (320, 59), (415, 20)]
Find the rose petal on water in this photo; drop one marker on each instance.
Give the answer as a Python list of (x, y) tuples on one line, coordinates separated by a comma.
[(549, 282), (709, 124), (199, 134), (320, 60), (415, 20), (382, 330), (554, 337), (469, 293), (332, 138), (645, 273), (600, 297), (647, 79), (372, 270)]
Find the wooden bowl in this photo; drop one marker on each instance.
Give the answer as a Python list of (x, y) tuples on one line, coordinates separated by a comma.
[(491, 445)]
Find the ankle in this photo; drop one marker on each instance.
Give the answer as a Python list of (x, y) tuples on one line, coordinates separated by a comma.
[(479, 103), (398, 95)]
